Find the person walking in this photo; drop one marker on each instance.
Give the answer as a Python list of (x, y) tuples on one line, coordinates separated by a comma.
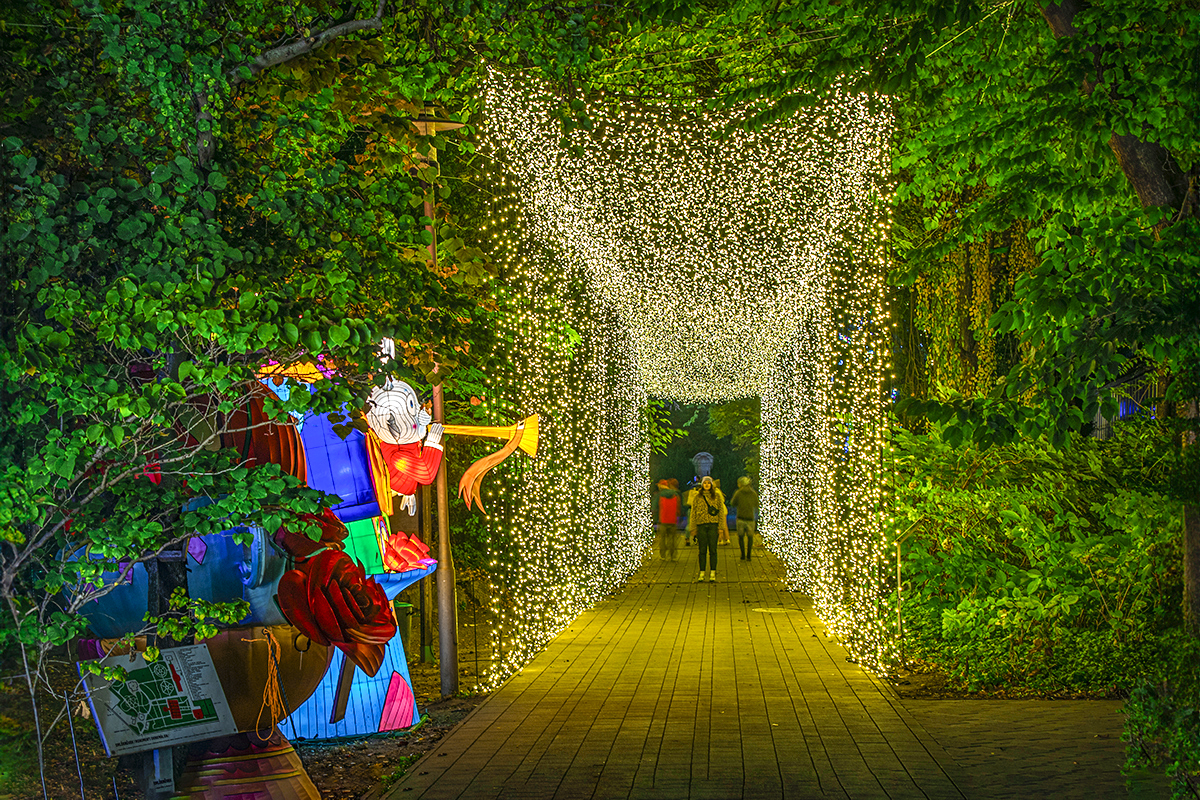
[(745, 500), (723, 527), (708, 508), (685, 518), (702, 462), (666, 514), (689, 498)]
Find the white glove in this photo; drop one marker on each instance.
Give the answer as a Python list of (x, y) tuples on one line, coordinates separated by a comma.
[(435, 434), (409, 501)]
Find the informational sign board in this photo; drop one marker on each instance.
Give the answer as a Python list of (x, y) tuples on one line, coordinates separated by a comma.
[(175, 700)]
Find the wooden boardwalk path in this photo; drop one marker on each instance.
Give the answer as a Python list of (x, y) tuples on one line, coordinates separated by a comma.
[(678, 689)]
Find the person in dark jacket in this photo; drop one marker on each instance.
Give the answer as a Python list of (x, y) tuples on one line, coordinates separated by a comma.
[(745, 500), (666, 515)]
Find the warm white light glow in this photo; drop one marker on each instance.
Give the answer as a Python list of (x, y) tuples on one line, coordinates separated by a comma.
[(696, 268)]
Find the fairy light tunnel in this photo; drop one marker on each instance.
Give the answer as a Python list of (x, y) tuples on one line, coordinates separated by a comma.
[(654, 257)]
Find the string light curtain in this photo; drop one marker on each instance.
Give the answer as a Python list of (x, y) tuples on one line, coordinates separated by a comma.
[(655, 256)]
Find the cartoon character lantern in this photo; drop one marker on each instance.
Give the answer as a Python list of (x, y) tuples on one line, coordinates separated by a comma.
[(397, 418)]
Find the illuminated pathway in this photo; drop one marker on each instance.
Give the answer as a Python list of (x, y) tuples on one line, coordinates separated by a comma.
[(675, 689)]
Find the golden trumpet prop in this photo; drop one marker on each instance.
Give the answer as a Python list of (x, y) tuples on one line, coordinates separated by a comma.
[(523, 435), (528, 428)]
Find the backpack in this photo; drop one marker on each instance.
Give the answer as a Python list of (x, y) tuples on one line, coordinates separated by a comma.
[(668, 509)]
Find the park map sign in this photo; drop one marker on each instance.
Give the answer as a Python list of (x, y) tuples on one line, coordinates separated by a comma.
[(175, 700)]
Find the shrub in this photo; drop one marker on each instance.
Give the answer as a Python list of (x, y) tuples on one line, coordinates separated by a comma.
[(1039, 569), (1162, 717)]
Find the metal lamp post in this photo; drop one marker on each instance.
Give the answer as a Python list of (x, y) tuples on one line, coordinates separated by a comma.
[(429, 125)]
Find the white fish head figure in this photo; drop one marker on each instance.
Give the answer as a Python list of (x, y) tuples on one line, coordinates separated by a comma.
[(394, 412)]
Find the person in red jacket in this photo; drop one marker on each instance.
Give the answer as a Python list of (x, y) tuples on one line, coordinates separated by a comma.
[(666, 512)]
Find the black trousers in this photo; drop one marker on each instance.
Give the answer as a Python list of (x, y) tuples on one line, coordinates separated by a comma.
[(706, 541)]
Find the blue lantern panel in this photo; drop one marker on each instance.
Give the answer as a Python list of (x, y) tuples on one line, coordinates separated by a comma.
[(221, 570), (381, 703), (124, 608), (339, 466)]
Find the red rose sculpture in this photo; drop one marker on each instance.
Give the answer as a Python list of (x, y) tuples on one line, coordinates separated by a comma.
[(333, 534), (331, 601), (402, 553)]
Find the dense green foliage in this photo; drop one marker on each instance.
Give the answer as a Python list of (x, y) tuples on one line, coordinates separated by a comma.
[(1063, 133), (152, 262), (659, 430), (1162, 726), (741, 421), (192, 191), (694, 431), (1031, 567)]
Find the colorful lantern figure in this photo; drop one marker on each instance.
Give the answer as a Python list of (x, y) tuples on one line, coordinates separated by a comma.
[(397, 418), (314, 603)]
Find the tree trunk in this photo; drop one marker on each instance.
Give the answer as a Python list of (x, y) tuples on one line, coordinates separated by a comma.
[(1191, 568), (1159, 182), (1148, 166)]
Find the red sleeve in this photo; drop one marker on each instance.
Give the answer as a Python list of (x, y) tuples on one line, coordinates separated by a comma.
[(410, 465), (426, 467)]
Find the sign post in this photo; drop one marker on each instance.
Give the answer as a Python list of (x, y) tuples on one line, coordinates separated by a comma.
[(177, 699)]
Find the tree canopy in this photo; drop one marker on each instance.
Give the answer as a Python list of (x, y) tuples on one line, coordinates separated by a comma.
[(196, 191), (1069, 127)]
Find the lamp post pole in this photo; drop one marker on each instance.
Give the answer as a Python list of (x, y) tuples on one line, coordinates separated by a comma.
[(447, 602), (427, 124)]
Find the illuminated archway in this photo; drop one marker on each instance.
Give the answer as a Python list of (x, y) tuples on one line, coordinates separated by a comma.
[(702, 268)]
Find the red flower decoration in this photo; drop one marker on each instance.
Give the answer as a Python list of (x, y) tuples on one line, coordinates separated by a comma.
[(331, 601), (402, 553), (153, 471), (333, 534)]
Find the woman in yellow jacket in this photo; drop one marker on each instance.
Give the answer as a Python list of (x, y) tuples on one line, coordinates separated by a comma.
[(708, 511)]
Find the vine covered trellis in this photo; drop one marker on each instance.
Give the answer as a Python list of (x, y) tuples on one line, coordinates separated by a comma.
[(944, 344), (653, 256)]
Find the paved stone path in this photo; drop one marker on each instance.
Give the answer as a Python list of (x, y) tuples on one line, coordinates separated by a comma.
[(1011, 749), (678, 689)]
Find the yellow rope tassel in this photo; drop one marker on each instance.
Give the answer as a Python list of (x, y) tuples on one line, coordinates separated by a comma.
[(272, 693)]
